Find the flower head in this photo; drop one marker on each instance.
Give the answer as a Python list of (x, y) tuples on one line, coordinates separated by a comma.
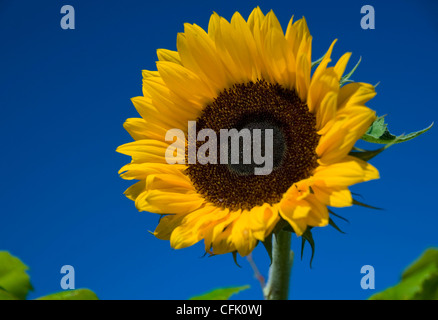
[(246, 75)]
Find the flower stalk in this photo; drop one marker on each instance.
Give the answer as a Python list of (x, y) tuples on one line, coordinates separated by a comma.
[(277, 287)]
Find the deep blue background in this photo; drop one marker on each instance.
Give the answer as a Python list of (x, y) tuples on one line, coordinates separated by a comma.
[(64, 95)]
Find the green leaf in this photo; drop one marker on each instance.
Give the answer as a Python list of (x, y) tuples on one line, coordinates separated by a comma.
[(78, 294), (4, 295), (378, 133), (430, 256), (13, 277), (379, 129), (418, 282), (412, 135), (221, 293)]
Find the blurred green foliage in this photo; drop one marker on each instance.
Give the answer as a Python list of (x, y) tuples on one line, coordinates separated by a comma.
[(15, 282), (418, 282)]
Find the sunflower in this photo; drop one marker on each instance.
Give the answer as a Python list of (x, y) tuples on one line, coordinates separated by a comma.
[(246, 74)]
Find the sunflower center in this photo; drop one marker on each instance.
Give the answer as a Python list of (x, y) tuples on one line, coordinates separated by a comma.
[(262, 107), (278, 145)]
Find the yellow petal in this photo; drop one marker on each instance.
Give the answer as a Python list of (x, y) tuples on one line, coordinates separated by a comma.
[(135, 190), (326, 111), (148, 111), (214, 26), (271, 22), (148, 74), (223, 244), (341, 65), (136, 127), (263, 220), (236, 48), (222, 225), (220, 221), (326, 83), (318, 215), (346, 172), (147, 150), (241, 234), (170, 181), (189, 231), (167, 224), (255, 19), (275, 51), (303, 69), (340, 138), (168, 55), (300, 48), (140, 171), (198, 53), (139, 129), (333, 196), (184, 83), (245, 44), (294, 210), (296, 34), (355, 94), (323, 64), (168, 104), (157, 201)]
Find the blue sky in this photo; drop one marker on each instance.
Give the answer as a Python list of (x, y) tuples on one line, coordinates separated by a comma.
[(66, 93)]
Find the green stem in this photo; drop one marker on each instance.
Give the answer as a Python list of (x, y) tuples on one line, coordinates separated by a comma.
[(277, 287)]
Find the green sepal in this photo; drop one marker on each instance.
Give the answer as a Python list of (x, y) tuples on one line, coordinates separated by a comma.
[(235, 259), (307, 236), (367, 155), (346, 78), (333, 224), (338, 216), (358, 203), (314, 63)]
